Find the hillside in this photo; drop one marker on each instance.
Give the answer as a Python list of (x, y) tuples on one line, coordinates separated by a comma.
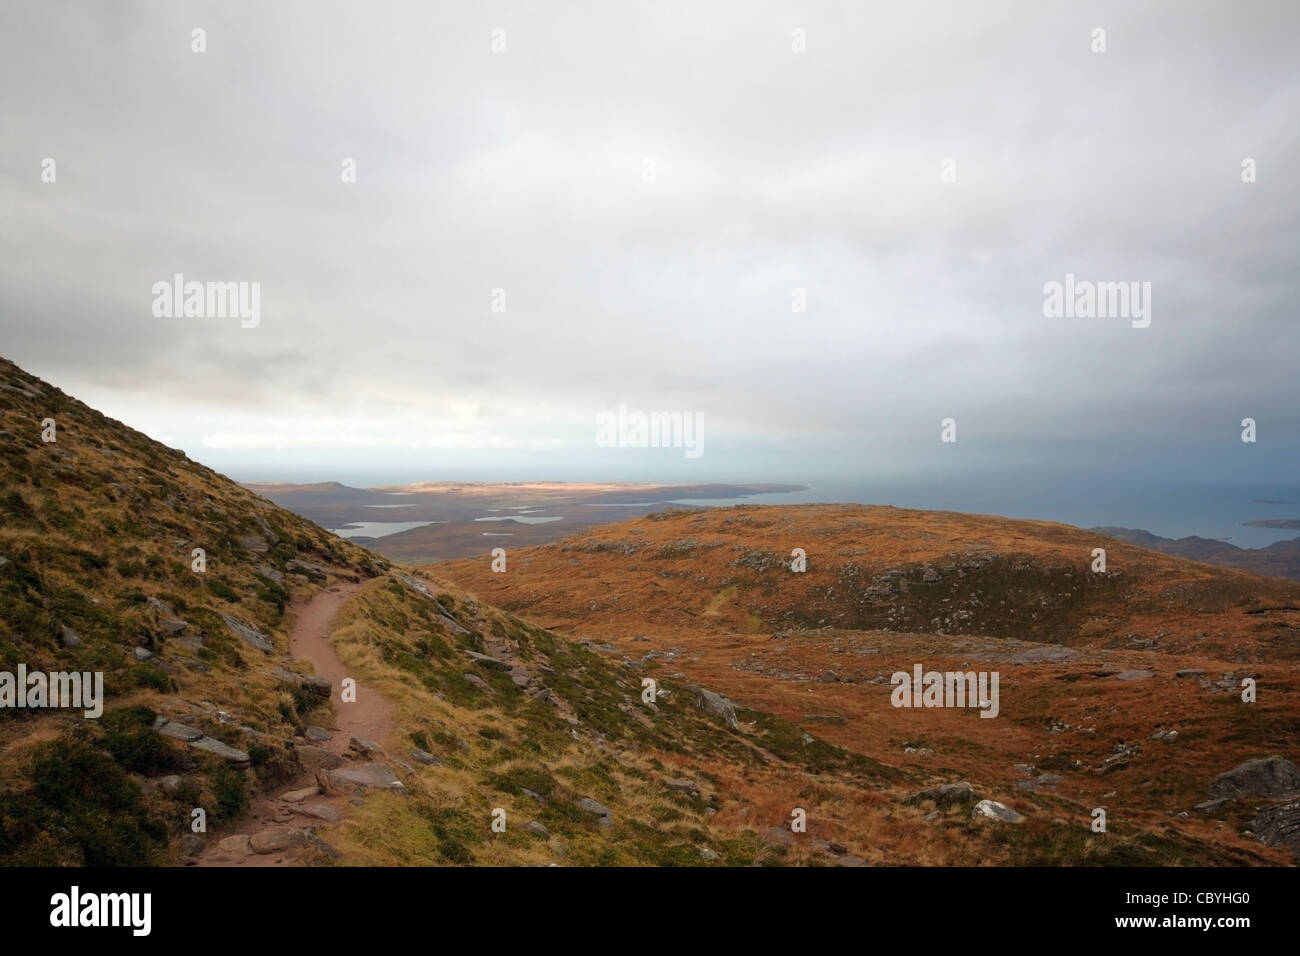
[(1119, 690), (205, 708)]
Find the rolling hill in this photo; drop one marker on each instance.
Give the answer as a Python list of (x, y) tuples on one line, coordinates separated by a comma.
[(1119, 690)]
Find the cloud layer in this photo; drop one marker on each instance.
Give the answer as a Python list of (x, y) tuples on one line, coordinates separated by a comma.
[(652, 185)]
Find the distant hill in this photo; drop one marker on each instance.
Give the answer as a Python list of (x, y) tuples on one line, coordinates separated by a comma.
[(467, 518), (1281, 559)]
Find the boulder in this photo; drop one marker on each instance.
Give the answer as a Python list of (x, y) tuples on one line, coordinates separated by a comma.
[(947, 794), (317, 758), (415, 584), (319, 686), (237, 845), (170, 728), (601, 811), (1262, 777), (717, 705), (69, 637), (309, 571), (1279, 826), (270, 573), (533, 826), (426, 758), (276, 841), (271, 536), (487, 661), (478, 682), (248, 634), (298, 796), (318, 735), (224, 751), (992, 810)]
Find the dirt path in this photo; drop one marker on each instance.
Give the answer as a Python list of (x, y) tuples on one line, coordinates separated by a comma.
[(370, 716)]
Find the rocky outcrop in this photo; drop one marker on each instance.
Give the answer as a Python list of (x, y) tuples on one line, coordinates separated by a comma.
[(1279, 826), (376, 776), (992, 810), (248, 634), (717, 705), (1263, 777), (947, 795)]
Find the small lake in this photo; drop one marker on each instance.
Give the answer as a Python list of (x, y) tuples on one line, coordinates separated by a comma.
[(525, 519), (378, 529)]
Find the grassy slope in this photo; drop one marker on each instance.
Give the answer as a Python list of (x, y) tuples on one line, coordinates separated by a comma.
[(94, 529), (711, 595)]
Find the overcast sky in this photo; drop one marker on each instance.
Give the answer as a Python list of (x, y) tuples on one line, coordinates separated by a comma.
[(650, 183)]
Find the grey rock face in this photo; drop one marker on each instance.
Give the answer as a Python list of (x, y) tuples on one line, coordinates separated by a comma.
[(992, 810), (601, 811), (1263, 777), (717, 705), (478, 682), (225, 752), (1279, 826), (251, 542), (248, 634), (270, 573)]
